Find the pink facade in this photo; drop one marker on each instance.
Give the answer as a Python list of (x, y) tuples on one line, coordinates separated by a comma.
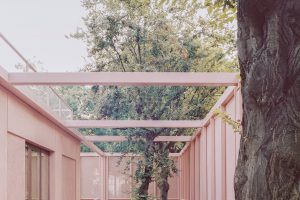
[(103, 178), (23, 125), (207, 166)]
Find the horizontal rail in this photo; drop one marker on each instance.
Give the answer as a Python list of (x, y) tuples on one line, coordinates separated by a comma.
[(126, 78), (123, 138), (133, 123)]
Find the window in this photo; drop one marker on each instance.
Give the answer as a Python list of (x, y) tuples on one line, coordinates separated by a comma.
[(37, 173)]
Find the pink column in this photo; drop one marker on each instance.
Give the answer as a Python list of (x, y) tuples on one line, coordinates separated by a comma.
[(197, 168), (213, 164), (16, 167), (203, 165), (192, 170), (3, 144), (220, 158), (56, 174)]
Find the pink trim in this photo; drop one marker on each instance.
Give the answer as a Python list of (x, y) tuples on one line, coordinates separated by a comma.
[(133, 123), (126, 78), (123, 138)]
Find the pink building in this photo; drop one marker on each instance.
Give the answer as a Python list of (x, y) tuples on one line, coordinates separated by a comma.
[(40, 155)]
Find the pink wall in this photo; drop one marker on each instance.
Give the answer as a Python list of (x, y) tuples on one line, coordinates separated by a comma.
[(20, 124), (207, 166), (102, 178)]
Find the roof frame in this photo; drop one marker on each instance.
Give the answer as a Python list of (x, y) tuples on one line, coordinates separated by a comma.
[(126, 78), (120, 79), (133, 123), (106, 138)]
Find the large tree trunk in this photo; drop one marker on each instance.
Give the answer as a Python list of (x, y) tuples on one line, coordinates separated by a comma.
[(269, 55)]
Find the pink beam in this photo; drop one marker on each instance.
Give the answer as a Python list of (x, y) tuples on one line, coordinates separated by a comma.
[(123, 138), (126, 78), (112, 154), (133, 123)]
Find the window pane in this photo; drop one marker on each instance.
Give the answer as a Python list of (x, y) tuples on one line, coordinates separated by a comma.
[(27, 173), (44, 176), (35, 175)]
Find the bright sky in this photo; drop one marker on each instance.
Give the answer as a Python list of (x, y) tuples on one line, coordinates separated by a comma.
[(38, 28)]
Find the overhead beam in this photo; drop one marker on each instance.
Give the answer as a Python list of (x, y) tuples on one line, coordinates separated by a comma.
[(126, 78), (133, 123), (123, 138)]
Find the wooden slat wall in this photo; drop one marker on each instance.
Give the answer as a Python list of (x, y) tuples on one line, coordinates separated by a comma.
[(208, 164)]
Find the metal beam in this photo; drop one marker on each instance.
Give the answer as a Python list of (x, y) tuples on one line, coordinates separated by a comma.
[(123, 138), (133, 123), (126, 78)]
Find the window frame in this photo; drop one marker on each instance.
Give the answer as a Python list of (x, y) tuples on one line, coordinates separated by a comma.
[(28, 184)]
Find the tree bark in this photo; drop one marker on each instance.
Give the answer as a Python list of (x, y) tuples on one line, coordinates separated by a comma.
[(164, 188), (269, 56), (146, 179)]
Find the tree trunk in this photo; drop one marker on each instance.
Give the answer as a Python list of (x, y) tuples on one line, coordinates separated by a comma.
[(269, 55), (165, 170), (147, 179), (164, 189)]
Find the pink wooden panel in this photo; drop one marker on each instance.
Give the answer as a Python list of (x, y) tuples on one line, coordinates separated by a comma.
[(192, 170), (210, 163), (230, 152), (90, 177), (16, 168), (118, 182), (186, 168), (203, 165), (3, 144), (68, 178), (220, 158), (197, 168), (174, 183)]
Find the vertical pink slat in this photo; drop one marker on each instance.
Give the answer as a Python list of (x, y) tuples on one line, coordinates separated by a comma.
[(197, 168), (209, 162), (188, 174), (180, 177), (220, 158), (213, 164), (203, 165), (192, 170), (3, 144), (230, 152)]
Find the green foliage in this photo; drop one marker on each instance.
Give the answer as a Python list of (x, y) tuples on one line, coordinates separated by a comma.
[(236, 125)]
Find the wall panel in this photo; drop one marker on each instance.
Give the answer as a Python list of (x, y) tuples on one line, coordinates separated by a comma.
[(3, 144), (68, 178), (16, 168)]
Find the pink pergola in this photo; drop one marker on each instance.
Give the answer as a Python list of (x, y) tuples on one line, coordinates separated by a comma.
[(140, 79)]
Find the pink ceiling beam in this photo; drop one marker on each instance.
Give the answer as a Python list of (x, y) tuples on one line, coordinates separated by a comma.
[(126, 78), (133, 123), (112, 154), (123, 138)]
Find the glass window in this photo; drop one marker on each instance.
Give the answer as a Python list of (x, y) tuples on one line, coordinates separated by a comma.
[(37, 173)]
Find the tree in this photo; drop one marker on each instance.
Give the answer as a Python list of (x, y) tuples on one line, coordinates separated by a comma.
[(268, 50), (145, 36)]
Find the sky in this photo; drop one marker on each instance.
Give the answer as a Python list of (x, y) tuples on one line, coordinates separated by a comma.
[(37, 28)]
